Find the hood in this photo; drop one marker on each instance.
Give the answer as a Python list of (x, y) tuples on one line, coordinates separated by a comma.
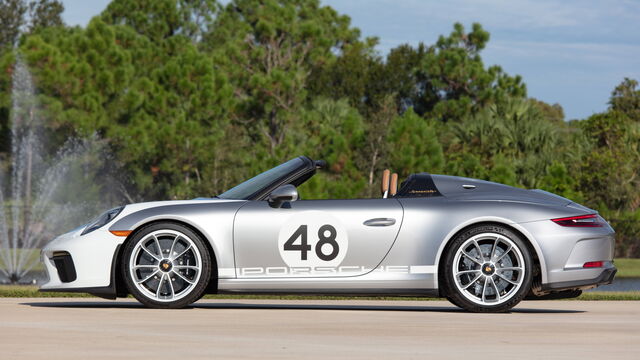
[(461, 188)]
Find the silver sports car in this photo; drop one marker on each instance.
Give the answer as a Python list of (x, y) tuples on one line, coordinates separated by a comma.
[(484, 246)]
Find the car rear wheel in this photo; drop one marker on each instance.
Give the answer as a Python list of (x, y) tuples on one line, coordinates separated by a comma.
[(487, 269), (166, 265)]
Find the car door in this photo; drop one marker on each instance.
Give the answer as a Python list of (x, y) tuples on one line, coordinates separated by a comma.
[(314, 238)]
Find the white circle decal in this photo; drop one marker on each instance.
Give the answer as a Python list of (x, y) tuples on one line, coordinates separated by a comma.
[(311, 239)]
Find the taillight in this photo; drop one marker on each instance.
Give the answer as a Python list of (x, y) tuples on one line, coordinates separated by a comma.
[(591, 220), (593, 264)]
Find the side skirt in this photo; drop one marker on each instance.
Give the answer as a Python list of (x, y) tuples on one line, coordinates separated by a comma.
[(345, 292)]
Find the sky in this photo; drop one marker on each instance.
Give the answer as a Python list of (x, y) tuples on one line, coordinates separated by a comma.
[(571, 52)]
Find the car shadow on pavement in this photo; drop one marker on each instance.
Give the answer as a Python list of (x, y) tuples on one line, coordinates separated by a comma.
[(292, 306)]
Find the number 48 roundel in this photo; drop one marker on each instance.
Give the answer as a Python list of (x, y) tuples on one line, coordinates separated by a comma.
[(313, 239)]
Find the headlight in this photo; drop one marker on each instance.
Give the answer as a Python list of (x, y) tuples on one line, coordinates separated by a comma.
[(102, 220)]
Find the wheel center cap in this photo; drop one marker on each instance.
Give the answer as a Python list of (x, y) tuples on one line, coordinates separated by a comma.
[(165, 265), (488, 269)]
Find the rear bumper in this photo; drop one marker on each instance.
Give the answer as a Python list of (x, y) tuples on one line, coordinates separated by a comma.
[(563, 251), (605, 278)]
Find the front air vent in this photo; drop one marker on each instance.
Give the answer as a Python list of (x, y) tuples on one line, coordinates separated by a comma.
[(64, 264)]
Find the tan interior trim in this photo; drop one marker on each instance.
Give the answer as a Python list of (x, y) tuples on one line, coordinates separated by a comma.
[(393, 187), (384, 186)]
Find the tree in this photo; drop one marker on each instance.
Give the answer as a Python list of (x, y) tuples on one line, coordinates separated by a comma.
[(511, 134), (161, 105), (452, 80), (162, 19), (415, 145), (446, 81), (14, 20), (354, 75), (626, 99), (44, 14), (377, 147), (268, 47), (553, 113), (610, 168), (332, 131)]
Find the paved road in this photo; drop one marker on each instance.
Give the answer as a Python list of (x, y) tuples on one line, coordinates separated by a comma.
[(271, 329)]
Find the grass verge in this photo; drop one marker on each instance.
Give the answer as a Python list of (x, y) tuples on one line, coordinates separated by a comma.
[(609, 295), (627, 268), (28, 291)]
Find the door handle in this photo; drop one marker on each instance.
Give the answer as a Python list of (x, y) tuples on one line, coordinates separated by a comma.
[(380, 222)]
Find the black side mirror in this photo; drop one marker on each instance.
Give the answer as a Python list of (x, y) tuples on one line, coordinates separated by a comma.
[(283, 194)]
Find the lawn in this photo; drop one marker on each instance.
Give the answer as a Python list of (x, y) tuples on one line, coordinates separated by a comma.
[(27, 291), (628, 268)]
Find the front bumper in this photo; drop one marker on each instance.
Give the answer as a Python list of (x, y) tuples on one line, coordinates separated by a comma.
[(82, 263)]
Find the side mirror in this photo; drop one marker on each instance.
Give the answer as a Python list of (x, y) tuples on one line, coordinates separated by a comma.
[(283, 194)]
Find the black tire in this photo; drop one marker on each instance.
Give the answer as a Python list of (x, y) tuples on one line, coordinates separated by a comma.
[(198, 288), (455, 295)]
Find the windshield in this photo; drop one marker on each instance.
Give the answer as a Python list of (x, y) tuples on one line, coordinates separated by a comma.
[(259, 182)]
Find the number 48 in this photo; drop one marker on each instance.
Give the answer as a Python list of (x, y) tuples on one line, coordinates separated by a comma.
[(304, 247)]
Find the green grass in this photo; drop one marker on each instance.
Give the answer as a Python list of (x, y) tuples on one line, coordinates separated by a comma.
[(628, 268), (24, 291), (29, 291), (609, 295)]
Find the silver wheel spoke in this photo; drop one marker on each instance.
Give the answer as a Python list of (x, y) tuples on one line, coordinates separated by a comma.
[(509, 269), (479, 250), (182, 253), (484, 290), (471, 258), (159, 286), (507, 280), (158, 245), (148, 277), (186, 267), (493, 249), (173, 292), (467, 272), (495, 287), (173, 245), (472, 282), (505, 253), (145, 266), (182, 277), (150, 253)]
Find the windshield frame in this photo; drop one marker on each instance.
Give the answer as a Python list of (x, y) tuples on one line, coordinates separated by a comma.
[(296, 177)]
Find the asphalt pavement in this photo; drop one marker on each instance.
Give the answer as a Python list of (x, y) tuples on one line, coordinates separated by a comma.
[(76, 328)]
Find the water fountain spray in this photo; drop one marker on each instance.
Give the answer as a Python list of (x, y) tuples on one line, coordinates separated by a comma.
[(46, 196)]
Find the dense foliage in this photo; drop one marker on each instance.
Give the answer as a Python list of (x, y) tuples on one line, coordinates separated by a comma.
[(194, 96)]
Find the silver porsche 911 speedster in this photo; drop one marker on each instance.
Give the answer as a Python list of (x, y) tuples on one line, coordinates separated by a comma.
[(482, 245)]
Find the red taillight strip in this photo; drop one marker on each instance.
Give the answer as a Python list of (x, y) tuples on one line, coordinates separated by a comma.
[(593, 264), (579, 221)]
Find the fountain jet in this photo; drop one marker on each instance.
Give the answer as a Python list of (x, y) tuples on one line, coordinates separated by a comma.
[(46, 195)]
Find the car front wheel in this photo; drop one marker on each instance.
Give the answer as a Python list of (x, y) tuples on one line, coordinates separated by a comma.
[(166, 265), (487, 269)]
